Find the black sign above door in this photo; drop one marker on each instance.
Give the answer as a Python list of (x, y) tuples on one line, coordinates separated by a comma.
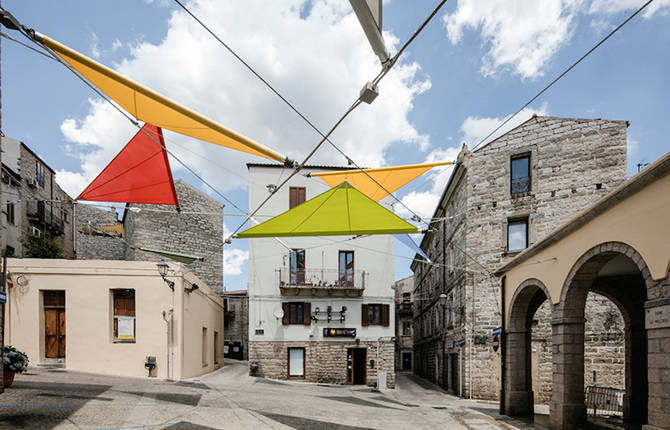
[(339, 332)]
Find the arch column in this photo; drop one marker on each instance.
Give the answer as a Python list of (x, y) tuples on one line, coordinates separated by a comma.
[(567, 409), (518, 385)]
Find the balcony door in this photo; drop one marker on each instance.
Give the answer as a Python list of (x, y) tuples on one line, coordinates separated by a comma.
[(297, 266), (346, 269)]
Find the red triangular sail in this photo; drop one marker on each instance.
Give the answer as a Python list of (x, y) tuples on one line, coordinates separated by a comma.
[(140, 173)]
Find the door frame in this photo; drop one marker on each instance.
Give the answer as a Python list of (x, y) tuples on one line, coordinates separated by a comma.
[(351, 376), (288, 362)]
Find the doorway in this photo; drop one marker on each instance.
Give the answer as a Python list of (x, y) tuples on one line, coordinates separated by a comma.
[(54, 324), (356, 370), (407, 361)]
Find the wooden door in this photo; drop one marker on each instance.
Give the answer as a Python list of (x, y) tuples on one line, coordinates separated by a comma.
[(54, 324), (350, 366)]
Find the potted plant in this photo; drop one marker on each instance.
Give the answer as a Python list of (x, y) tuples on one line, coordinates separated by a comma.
[(13, 361)]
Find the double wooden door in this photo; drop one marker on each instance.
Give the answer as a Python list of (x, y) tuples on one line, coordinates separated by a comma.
[(54, 324)]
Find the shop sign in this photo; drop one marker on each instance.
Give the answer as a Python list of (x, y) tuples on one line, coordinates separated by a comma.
[(339, 332), (461, 342), (450, 344)]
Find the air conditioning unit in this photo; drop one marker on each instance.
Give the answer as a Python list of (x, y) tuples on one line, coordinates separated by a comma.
[(32, 182), (35, 231)]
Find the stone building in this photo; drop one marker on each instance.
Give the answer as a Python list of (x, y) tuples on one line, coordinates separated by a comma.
[(34, 204), (404, 340), (236, 320), (320, 308), (197, 230), (500, 199), (616, 247)]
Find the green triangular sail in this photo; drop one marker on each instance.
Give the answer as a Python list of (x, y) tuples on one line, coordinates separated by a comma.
[(181, 258), (340, 211)]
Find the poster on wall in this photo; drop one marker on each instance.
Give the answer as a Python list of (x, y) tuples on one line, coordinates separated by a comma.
[(126, 327)]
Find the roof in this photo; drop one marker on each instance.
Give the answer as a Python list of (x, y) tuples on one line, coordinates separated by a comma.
[(235, 293), (659, 169), (535, 116)]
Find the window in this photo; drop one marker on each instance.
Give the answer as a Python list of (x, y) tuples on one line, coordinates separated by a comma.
[(517, 234), (520, 174), (10, 213), (297, 264), (346, 269), (204, 346), (406, 328), (296, 196), (375, 314), (124, 315), (41, 211), (450, 310), (64, 216), (296, 363), (406, 297), (39, 173), (297, 313)]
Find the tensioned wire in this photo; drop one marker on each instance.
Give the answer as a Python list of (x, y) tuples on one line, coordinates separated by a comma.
[(386, 68)]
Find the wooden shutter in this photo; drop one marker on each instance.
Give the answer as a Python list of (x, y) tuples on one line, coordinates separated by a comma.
[(287, 310), (385, 315), (296, 196), (364, 315), (307, 313)]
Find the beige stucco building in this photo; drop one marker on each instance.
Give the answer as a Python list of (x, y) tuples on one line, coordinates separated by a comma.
[(109, 316), (618, 247)]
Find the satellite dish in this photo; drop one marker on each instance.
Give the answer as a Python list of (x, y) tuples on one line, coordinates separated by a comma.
[(279, 313)]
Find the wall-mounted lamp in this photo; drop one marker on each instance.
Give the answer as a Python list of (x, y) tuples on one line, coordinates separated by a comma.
[(163, 270), (193, 288)]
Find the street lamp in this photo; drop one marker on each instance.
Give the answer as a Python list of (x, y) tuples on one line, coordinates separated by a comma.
[(163, 270)]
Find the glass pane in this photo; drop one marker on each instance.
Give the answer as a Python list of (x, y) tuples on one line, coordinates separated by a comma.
[(520, 175), (516, 235), (296, 362)]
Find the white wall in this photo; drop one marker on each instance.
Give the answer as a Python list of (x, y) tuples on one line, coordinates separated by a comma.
[(90, 345), (372, 254)]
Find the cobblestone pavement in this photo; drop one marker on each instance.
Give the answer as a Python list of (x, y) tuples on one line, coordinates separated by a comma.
[(229, 399)]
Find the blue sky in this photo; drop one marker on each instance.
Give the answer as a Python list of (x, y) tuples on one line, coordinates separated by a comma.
[(476, 63)]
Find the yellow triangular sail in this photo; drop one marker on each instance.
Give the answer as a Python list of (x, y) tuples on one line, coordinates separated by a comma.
[(342, 210), (149, 106), (391, 178)]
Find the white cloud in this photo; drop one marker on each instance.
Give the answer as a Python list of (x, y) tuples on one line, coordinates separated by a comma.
[(233, 260), (116, 45), (522, 35), (95, 46), (475, 128), (318, 62), (423, 203)]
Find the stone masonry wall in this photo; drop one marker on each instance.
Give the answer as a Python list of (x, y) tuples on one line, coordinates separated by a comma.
[(92, 244), (237, 323), (325, 362), (604, 347), (197, 231), (574, 162)]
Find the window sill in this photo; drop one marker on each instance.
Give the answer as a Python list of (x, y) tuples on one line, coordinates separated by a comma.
[(123, 341), (520, 195)]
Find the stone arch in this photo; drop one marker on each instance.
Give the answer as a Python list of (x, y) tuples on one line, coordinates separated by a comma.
[(627, 283), (527, 298), (609, 249)]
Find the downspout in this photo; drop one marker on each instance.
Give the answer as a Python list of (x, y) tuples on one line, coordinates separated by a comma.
[(445, 383), (472, 331), (74, 228), (503, 351)]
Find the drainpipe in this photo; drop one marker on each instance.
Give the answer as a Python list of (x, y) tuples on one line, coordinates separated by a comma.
[(472, 332), (502, 347), (74, 229), (168, 331)]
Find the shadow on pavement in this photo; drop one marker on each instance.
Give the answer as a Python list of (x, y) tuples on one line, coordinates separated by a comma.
[(182, 399), (357, 401), (300, 423)]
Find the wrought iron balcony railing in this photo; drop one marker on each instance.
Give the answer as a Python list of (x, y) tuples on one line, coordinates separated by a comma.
[(321, 278)]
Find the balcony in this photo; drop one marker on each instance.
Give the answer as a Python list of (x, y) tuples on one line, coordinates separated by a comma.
[(315, 282), (405, 308), (37, 212)]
